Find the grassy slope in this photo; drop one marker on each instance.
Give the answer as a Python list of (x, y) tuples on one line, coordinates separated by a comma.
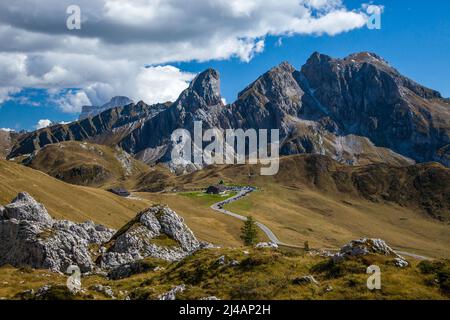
[(66, 201), (100, 163), (325, 221), (300, 206), (261, 274)]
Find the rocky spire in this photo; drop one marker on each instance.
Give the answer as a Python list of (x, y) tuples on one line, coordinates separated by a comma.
[(203, 91)]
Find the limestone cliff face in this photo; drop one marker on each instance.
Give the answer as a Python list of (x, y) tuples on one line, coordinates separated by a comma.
[(363, 95), (356, 110)]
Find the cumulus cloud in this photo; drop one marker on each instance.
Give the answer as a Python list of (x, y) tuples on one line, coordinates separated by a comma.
[(117, 39), (6, 92), (43, 123), (73, 101)]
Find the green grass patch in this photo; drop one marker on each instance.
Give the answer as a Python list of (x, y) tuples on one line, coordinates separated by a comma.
[(206, 199), (164, 240)]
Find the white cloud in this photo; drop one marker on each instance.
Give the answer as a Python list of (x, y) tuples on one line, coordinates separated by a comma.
[(6, 92), (73, 101), (6, 129), (43, 123), (107, 56)]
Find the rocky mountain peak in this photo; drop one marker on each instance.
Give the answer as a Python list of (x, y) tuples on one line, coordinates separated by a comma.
[(318, 58), (118, 101), (204, 90), (284, 66), (365, 56), (276, 83)]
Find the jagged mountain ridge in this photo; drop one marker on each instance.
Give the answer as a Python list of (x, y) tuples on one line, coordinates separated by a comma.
[(106, 128), (91, 111), (356, 110), (313, 119)]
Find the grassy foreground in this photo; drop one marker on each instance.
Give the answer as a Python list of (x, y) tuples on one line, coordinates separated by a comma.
[(255, 274)]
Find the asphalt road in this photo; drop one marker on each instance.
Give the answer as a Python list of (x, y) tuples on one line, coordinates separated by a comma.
[(242, 193), (269, 233)]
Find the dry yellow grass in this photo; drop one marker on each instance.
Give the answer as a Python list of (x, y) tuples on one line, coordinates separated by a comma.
[(299, 210), (66, 201), (329, 222)]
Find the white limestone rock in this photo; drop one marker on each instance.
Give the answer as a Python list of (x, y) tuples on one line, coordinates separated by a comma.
[(137, 241)]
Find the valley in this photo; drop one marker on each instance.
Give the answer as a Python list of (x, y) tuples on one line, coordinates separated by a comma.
[(363, 175)]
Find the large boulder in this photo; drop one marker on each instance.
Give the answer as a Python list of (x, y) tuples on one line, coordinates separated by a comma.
[(30, 237), (366, 246), (156, 232), (24, 207)]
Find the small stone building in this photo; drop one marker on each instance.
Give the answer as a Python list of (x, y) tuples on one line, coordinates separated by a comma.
[(217, 189), (120, 192)]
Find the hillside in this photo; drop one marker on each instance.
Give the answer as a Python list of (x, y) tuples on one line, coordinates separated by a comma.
[(87, 164), (66, 201), (7, 140), (316, 199), (256, 274)]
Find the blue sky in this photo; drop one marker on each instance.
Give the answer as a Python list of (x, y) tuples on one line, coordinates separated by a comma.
[(414, 38)]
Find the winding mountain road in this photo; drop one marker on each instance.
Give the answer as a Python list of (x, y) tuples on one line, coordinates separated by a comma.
[(245, 191)]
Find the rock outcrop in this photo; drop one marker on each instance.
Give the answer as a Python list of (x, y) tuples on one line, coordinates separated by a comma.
[(172, 294), (157, 232), (366, 246), (30, 237), (305, 280)]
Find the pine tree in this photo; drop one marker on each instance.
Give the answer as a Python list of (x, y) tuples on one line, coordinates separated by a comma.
[(249, 231)]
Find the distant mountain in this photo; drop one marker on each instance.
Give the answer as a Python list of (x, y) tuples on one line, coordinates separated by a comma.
[(7, 140), (90, 111), (106, 128), (357, 110)]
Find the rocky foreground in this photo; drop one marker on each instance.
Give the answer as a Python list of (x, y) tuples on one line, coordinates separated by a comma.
[(30, 237), (156, 256)]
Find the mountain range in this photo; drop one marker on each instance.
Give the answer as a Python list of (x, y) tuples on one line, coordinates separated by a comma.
[(357, 110), (90, 111)]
